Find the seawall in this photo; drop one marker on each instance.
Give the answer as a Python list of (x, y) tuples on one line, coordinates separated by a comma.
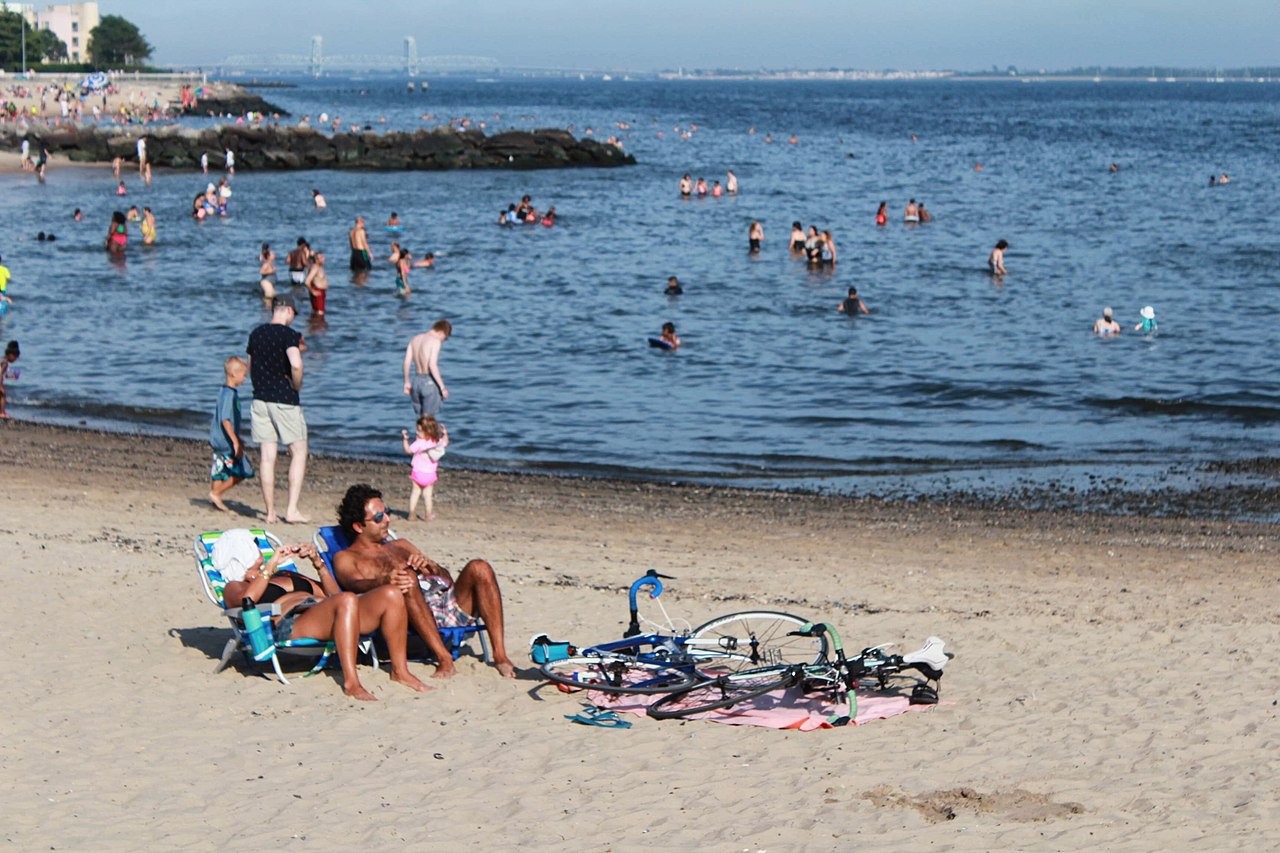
[(275, 147)]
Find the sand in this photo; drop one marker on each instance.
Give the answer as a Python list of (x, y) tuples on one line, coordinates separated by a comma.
[(1113, 687), (134, 91)]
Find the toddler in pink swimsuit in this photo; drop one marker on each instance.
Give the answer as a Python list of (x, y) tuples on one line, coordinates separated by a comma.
[(426, 452)]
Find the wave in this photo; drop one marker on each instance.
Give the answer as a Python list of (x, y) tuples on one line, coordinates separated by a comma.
[(1250, 413)]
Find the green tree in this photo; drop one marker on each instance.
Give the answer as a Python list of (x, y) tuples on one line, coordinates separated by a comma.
[(115, 42), (41, 44)]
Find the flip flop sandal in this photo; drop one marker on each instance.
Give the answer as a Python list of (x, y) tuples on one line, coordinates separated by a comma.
[(602, 717)]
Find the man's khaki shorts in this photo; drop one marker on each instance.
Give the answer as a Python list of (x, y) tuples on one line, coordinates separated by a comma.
[(278, 423)]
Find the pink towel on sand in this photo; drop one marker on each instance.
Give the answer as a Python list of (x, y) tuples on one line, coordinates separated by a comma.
[(781, 709)]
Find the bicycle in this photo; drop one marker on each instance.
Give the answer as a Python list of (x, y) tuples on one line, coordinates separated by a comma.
[(658, 662), (728, 689)]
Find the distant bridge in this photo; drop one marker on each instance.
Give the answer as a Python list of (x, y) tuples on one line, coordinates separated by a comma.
[(317, 63)]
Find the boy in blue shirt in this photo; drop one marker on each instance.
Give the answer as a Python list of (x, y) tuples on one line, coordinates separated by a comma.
[(230, 465)]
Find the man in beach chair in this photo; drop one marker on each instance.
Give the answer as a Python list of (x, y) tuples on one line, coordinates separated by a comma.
[(431, 594)]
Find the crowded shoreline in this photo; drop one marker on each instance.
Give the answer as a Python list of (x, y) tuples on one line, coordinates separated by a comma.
[(1048, 615)]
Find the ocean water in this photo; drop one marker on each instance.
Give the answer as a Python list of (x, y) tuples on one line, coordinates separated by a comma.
[(955, 380)]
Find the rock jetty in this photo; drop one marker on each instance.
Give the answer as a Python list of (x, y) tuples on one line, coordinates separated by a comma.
[(236, 102), (274, 147)]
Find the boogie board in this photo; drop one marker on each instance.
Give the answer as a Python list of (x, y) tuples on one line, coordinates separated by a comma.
[(659, 343), (395, 229)]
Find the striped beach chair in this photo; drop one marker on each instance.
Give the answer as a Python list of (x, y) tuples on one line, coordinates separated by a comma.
[(214, 584)]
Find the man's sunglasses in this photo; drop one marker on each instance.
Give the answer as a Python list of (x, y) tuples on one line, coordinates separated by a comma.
[(377, 517)]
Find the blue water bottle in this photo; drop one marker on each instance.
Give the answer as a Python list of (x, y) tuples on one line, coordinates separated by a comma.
[(261, 643)]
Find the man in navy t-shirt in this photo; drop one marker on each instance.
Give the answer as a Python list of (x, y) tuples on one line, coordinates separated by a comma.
[(275, 368)]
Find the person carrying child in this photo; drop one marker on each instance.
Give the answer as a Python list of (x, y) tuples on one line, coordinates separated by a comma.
[(230, 464), (432, 439)]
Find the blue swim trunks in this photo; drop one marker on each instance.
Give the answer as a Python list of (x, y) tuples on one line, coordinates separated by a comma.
[(226, 466)]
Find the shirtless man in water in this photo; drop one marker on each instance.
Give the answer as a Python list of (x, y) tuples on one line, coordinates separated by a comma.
[(426, 390), (360, 259), (373, 561)]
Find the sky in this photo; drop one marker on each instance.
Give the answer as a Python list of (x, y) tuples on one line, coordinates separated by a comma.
[(645, 35)]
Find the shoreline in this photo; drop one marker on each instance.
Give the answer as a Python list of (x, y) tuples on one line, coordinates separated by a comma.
[(800, 500), (1069, 633)]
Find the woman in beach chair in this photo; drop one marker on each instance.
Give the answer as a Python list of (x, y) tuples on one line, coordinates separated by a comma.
[(319, 609)]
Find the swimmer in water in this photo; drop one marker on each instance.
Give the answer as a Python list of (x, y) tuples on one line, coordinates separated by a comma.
[(320, 203), (925, 216), (755, 236), (686, 186), (298, 259), (403, 264), (393, 221), (120, 189), (549, 218), (700, 187), (77, 216), (813, 246), (317, 284), (1148, 323), (117, 234), (882, 215), (828, 249), (852, 305), (731, 183), (796, 243), (1106, 326), (669, 335), (267, 271), (912, 212), (132, 214), (673, 287), (148, 227), (995, 262), (716, 190)]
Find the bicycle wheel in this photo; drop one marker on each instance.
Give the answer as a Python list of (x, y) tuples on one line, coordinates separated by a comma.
[(617, 674), (753, 639), (724, 691)]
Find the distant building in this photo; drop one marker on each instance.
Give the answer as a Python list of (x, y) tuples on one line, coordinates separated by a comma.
[(70, 22)]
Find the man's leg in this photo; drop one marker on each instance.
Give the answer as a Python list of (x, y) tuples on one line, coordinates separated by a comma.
[(267, 476), (297, 471), (423, 624), (476, 591), (384, 608)]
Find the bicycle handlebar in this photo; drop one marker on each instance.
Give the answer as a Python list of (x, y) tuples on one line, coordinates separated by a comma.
[(652, 579)]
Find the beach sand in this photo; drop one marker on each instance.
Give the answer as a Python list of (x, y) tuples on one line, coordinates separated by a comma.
[(135, 92), (1113, 685)]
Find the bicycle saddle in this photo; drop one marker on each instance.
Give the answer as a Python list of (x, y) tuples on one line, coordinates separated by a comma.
[(930, 654)]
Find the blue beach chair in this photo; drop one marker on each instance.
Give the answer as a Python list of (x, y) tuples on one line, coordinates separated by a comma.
[(214, 584), (331, 539)]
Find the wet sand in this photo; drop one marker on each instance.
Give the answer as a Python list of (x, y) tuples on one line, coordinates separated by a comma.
[(1112, 687)]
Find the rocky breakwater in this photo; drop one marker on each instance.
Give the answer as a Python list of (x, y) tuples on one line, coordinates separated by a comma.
[(273, 147)]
